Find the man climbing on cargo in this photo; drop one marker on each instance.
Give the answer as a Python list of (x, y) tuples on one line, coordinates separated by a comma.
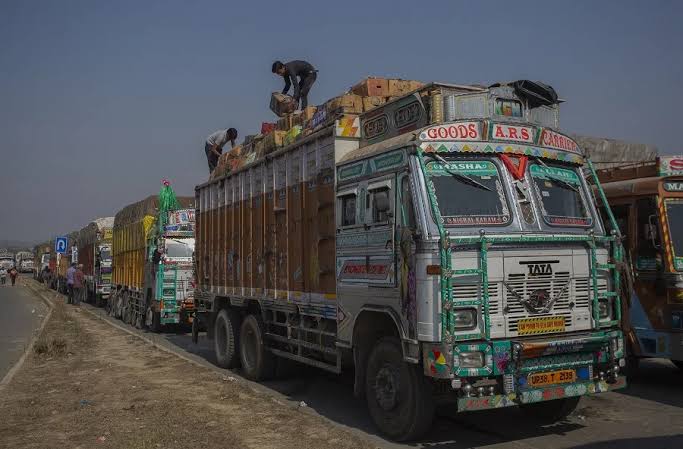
[(213, 147), (306, 73)]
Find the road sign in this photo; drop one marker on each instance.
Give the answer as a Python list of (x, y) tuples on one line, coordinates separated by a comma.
[(61, 245)]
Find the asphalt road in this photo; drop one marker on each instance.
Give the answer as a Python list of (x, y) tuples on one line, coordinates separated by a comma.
[(22, 313), (647, 415)]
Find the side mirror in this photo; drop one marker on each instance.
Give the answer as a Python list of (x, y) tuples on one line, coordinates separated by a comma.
[(382, 202), (651, 231)]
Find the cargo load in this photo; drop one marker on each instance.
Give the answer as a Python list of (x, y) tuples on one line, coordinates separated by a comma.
[(94, 253), (608, 153), (282, 104)]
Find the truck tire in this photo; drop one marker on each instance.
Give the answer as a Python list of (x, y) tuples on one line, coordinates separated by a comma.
[(399, 397), (257, 362), (550, 412), (153, 320), (226, 338)]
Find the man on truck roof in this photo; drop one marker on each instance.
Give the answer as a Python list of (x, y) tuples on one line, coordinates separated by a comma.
[(213, 147), (306, 73)]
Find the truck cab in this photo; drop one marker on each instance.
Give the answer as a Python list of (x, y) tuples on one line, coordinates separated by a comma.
[(647, 201)]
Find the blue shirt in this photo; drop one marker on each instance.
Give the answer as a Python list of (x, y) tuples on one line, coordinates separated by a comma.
[(70, 276)]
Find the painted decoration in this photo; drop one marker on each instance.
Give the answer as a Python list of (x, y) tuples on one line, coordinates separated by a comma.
[(670, 165)]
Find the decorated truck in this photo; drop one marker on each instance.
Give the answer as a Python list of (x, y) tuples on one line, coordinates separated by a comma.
[(94, 253), (24, 261), (152, 267), (41, 259), (445, 246), (647, 201)]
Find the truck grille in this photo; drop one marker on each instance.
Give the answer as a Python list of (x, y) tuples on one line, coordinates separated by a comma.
[(470, 292)]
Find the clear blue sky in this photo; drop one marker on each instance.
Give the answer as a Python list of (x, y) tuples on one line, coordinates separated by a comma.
[(100, 100)]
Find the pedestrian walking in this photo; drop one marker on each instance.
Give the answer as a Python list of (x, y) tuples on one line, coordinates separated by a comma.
[(79, 283), (70, 283), (213, 147), (3, 275), (13, 273), (304, 71)]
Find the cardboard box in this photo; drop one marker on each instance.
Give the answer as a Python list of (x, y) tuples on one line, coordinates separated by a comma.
[(308, 113), (274, 140), (371, 87), (282, 104), (370, 103), (297, 119), (286, 122), (268, 127), (292, 135), (398, 88), (347, 103)]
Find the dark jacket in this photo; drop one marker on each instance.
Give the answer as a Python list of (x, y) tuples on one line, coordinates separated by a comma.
[(294, 69)]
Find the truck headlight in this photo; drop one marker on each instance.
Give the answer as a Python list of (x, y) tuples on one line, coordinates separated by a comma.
[(473, 359), (464, 318)]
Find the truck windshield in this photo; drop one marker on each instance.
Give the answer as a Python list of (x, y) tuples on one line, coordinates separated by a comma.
[(674, 212), (176, 248), (469, 192), (561, 197)]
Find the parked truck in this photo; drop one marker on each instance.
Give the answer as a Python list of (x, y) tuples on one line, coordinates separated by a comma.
[(647, 201), (445, 246), (44, 256), (6, 260), (24, 261), (152, 277), (94, 252)]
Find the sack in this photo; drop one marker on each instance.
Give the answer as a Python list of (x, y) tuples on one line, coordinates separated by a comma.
[(282, 104)]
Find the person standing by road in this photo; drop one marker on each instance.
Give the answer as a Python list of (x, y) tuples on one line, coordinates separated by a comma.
[(213, 147), (304, 71), (3, 275), (70, 283), (13, 273), (79, 282)]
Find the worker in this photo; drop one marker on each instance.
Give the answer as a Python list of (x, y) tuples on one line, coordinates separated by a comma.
[(13, 273), (306, 73), (79, 284), (214, 145), (70, 283), (3, 275)]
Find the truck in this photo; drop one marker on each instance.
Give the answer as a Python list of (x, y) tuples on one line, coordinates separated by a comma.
[(152, 265), (94, 252), (445, 246), (24, 261), (646, 198), (6, 260), (44, 256)]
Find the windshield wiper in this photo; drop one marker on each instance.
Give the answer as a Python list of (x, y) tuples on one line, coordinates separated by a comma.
[(559, 180), (463, 178)]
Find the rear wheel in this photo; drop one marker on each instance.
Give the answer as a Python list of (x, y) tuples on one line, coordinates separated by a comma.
[(399, 397), (153, 320), (550, 412), (257, 362), (226, 338)]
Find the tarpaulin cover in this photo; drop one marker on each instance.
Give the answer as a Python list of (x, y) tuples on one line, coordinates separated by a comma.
[(535, 93), (607, 153)]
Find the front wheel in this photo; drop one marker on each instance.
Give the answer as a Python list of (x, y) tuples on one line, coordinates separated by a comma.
[(153, 320), (550, 412), (399, 397), (257, 362)]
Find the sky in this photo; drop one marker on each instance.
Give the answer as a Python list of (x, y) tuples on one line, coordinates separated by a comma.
[(101, 100)]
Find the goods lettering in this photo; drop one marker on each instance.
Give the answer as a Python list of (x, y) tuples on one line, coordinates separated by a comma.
[(456, 131)]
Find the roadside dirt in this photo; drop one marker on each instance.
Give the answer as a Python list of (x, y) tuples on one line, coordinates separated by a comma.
[(90, 385)]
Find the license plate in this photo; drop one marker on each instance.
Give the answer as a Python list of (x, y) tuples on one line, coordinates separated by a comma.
[(530, 326), (552, 377)]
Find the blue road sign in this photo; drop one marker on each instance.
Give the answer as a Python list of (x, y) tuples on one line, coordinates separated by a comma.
[(61, 245)]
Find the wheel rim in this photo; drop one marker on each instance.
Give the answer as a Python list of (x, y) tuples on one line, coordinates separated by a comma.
[(387, 386), (250, 346)]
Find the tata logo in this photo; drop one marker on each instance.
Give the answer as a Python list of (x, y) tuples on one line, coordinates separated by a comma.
[(540, 268)]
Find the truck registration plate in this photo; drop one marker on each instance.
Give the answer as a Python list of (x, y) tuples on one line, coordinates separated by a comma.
[(552, 377), (542, 325)]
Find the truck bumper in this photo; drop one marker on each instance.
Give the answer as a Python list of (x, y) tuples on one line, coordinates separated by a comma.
[(502, 373)]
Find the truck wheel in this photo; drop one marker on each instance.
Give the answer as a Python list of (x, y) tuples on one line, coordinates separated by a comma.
[(153, 320), (257, 362), (399, 397), (226, 338), (550, 412), (139, 320), (195, 329)]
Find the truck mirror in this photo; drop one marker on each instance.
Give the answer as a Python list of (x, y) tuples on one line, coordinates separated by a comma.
[(651, 231), (382, 202)]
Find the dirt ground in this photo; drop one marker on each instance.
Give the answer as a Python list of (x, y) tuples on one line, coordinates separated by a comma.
[(87, 384)]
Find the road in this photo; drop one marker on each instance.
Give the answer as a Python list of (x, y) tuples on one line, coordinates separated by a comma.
[(22, 313), (649, 414)]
